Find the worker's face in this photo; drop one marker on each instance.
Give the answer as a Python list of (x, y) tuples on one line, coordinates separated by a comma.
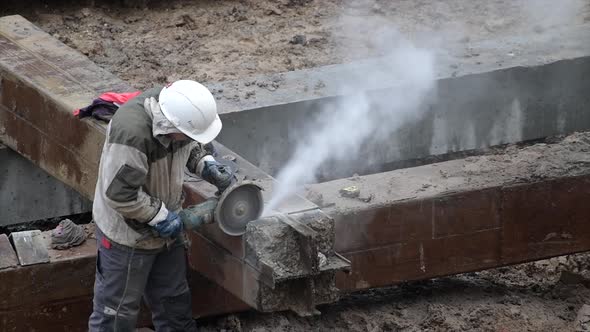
[(179, 137)]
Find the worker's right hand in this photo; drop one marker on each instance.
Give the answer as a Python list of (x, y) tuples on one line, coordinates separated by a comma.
[(170, 227)]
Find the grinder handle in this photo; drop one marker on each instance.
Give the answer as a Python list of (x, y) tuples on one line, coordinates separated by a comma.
[(196, 215)]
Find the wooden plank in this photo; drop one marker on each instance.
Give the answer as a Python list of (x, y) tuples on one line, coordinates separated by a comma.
[(30, 247), (7, 255)]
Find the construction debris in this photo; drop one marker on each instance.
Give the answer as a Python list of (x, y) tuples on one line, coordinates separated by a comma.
[(350, 192), (67, 235)]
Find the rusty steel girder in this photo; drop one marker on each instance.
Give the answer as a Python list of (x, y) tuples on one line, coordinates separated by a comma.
[(463, 215)]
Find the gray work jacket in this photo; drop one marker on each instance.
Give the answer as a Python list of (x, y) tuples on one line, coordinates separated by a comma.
[(138, 175)]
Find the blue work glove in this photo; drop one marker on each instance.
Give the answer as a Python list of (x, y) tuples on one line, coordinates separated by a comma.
[(218, 175), (170, 227)]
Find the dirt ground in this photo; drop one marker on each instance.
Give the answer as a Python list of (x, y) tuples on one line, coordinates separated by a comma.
[(526, 297), (152, 43), (225, 40)]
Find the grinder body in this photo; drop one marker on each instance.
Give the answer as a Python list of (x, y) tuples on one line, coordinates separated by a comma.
[(196, 215)]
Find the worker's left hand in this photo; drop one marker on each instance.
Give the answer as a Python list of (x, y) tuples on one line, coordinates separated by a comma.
[(218, 174)]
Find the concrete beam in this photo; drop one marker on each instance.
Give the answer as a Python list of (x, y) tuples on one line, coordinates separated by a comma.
[(492, 92), (463, 215), (25, 185)]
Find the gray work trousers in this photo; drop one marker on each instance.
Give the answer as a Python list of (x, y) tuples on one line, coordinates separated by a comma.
[(125, 275)]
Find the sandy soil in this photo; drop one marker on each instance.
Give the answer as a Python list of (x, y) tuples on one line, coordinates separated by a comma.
[(224, 40)]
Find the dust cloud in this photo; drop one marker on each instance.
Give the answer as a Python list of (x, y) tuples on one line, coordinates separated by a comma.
[(337, 134)]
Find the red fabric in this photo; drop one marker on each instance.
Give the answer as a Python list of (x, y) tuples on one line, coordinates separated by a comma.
[(119, 98), (106, 243), (114, 97)]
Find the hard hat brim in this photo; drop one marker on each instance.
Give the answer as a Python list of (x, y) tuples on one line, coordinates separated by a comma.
[(208, 135)]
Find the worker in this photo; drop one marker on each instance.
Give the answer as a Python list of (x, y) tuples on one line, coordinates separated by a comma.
[(140, 237)]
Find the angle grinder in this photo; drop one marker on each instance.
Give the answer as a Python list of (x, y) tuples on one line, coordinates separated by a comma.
[(238, 205)]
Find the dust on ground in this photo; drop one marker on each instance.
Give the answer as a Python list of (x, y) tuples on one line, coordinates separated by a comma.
[(211, 41)]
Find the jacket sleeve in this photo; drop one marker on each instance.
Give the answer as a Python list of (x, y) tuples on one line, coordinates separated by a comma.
[(124, 172)]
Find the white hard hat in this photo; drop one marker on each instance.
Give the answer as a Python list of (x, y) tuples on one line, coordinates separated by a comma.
[(191, 108)]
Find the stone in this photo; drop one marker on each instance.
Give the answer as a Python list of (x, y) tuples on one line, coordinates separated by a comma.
[(350, 192)]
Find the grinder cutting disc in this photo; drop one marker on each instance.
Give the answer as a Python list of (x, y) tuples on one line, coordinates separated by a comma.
[(238, 205)]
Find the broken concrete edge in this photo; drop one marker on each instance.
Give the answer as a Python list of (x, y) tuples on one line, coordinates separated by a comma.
[(280, 267), (289, 246), (532, 49)]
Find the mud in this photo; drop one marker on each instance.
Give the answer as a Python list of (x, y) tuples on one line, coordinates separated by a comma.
[(211, 41), (527, 297), (224, 40)]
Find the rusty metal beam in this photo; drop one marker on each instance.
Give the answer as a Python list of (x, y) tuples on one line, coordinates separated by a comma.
[(463, 215)]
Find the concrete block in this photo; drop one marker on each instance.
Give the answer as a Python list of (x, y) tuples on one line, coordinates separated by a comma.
[(29, 193), (495, 98), (7, 255), (30, 247)]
